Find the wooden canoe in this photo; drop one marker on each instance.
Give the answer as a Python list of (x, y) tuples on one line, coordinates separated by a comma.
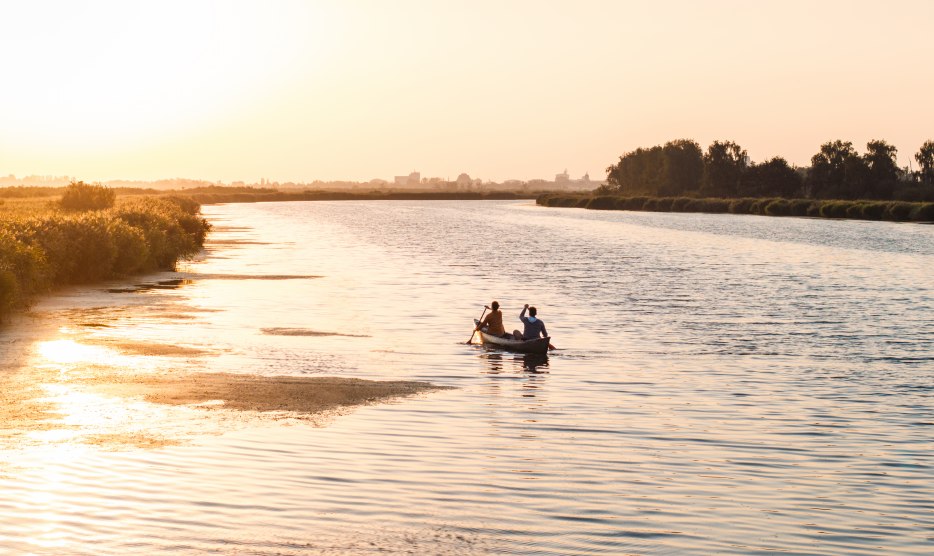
[(511, 344)]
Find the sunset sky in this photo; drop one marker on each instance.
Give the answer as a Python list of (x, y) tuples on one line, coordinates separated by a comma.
[(297, 91)]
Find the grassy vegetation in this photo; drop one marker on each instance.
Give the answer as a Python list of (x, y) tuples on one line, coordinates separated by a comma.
[(897, 211), (44, 245)]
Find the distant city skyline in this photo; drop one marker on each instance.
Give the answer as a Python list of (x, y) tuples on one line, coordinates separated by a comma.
[(357, 90)]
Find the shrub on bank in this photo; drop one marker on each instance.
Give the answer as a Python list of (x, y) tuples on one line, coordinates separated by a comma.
[(778, 207), (740, 206), (41, 252), (923, 212), (897, 211), (857, 209), (799, 207), (83, 196), (603, 202)]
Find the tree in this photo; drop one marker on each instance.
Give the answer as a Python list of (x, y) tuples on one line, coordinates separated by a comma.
[(683, 167), (637, 173), (724, 165), (837, 171), (774, 178), (882, 170), (925, 158)]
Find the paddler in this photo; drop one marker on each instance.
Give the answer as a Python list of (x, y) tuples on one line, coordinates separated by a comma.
[(493, 321), (534, 326)]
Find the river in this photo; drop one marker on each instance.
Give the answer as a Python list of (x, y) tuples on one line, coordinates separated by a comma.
[(724, 384)]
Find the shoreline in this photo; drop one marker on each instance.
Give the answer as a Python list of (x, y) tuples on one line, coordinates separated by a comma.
[(54, 375), (54, 355), (285, 196), (888, 211)]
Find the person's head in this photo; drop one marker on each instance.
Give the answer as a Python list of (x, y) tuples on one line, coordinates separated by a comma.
[(495, 305), (533, 311)]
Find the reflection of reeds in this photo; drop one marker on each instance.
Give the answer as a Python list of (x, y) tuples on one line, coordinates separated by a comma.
[(43, 249), (898, 211)]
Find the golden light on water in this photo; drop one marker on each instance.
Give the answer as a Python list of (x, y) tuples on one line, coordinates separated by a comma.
[(71, 352), (73, 410)]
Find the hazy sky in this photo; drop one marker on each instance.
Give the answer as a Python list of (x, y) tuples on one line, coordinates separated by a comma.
[(294, 91)]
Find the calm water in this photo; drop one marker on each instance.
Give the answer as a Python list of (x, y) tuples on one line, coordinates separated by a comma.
[(726, 384)]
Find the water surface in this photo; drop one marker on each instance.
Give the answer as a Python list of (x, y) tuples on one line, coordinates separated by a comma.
[(725, 384)]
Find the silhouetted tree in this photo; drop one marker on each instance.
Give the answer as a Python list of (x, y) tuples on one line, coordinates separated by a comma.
[(925, 158), (670, 170), (774, 178), (882, 170), (837, 171), (638, 172), (683, 167), (724, 165)]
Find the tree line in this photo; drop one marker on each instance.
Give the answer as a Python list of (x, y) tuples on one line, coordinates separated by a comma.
[(837, 171)]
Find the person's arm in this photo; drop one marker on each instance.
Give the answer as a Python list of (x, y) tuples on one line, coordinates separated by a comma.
[(484, 322), (522, 314), (544, 332)]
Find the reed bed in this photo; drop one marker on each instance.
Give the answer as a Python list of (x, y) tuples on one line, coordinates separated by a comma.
[(44, 246), (896, 211)]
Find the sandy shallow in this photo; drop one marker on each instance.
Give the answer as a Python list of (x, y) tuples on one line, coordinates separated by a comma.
[(302, 395), (113, 402)]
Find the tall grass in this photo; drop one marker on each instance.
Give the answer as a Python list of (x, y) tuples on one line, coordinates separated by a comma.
[(45, 249), (898, 211), (83, 196)]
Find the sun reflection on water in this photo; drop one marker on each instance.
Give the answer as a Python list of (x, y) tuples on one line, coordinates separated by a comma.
[(68, 384), (67, 352)]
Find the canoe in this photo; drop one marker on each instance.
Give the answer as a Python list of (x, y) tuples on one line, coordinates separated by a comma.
[(511, 344)]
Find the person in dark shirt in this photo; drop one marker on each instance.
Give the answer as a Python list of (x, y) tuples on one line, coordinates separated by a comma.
[(534, 326)]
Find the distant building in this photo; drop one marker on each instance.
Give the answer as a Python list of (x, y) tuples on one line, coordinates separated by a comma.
[(414, 178), (463, 180), (563, 181)]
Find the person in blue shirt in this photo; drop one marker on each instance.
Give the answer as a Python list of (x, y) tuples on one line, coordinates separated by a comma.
[(534, 326)]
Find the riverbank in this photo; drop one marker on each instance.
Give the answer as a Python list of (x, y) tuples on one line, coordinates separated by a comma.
[(221, 196), (895, 211), (43, 247)]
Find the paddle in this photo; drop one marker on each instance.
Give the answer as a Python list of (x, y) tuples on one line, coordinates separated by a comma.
[(475, 328)]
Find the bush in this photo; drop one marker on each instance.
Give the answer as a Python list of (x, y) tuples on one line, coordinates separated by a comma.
[(132, 251), (633, 203), (680, 204), (866, 210), (741, 206), (799, 207), (897, 211), (602, 202), (82, 196), (778, 207), (759, 205), (873, 211), (834, 209), (40, 252), (854, 210), (711, 205), (22, 271), (923, 213)]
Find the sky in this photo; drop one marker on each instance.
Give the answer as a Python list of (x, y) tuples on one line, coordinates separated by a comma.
[(355, 90)]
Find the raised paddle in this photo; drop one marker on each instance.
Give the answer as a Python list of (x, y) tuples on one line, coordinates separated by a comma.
[(475, 328)]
